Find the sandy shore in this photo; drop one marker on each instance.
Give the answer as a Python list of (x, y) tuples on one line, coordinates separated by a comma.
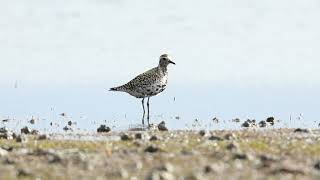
[(241, 154)]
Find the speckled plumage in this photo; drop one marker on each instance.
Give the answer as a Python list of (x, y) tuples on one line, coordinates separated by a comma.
[(148, 84)]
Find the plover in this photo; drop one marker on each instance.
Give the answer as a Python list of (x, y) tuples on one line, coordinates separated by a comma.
[(148, 84)]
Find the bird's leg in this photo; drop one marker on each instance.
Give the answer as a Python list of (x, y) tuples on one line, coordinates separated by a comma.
[(148, 111), (143, 111)]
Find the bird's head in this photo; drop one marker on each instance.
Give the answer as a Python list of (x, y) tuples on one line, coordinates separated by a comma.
[(165, 60)]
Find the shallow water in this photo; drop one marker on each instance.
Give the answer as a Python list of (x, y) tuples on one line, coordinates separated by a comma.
[(192, 109)]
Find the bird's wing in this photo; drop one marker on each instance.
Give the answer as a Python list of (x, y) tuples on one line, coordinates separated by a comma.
[(143, 79)]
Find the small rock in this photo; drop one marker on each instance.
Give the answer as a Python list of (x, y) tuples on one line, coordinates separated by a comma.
[(288, 170), (236, 120), (32, 121), (266, 158), (3, 130), (162, 126), (35, 132), (232, 146), (262, 124), (5, 120), (25, 130), (249, 123), (66, 128), (21, 138), (138, 136), (125, 137), (245, 124), (69, 123), (317, 166), (215, 120), (240, 156), (177, 117), (270, 120), (103, 129), (202, 133), (42, 137), (300, 130), (215, 138), (153, 138), (5, 133), (151, 149), (208, 169)]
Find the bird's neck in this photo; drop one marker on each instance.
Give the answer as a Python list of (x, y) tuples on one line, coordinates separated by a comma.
[(163, 69)]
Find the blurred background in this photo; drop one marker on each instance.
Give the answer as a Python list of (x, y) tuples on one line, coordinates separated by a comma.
[(235, 58)]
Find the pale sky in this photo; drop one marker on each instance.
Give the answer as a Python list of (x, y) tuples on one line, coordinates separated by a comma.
[(78, 42)]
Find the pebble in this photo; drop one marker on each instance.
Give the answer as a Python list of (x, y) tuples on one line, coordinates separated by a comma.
[(32, 121), (317, 166), (138, 136), (5, 133), (125, 137), (300, 130), (151, 149), (153, 138), (236, 120), (240, 156), (25, 130), (270, 120), (5, 120), (162, 126), (232, 146), (103, 129), (208, 169), (21, 138), (202, 133), (215, 120), (35, 132), (262, 124), (42, 137), (66, 128), (249, 123), (215, 138)]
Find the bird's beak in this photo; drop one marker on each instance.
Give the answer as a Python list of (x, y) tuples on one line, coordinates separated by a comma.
[(172, 62)]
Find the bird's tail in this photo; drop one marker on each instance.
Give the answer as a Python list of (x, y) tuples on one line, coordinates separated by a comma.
[(116, 88)]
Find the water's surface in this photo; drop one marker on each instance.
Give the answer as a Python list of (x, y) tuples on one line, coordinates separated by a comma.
[(90, 107), (246, 59)]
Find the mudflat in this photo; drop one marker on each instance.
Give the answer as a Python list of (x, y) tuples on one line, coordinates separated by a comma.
[(236, 154)]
